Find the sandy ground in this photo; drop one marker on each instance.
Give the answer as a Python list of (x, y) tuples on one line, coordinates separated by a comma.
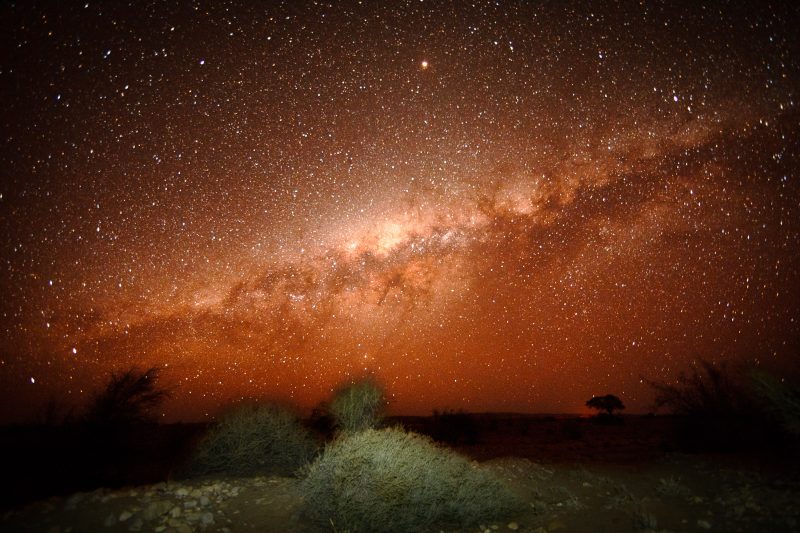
[(673, 493)]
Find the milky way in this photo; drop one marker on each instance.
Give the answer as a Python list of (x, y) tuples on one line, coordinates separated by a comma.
[(505, 206)]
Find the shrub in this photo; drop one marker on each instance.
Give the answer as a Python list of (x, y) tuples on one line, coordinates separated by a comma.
[(781, 399), (357, 406), (130, 397), (718, 409), (709, 391), (253, 440), (390, 480)]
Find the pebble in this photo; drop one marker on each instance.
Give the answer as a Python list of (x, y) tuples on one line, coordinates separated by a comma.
[(124, 515), (156, 509), (136, 524), (704, 524), (513, 526)]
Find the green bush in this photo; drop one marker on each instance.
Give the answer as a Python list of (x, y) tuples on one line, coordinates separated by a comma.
[(390, 480), (254, 440), (357, 407)]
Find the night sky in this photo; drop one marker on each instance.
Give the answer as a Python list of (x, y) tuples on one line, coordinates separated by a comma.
[(490, 206)]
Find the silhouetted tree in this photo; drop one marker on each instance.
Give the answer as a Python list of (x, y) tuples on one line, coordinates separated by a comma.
[(608, 403), (129, 397)]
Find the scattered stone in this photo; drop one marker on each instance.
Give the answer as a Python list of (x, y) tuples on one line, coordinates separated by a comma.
[(513, 526), (182, 492), (705, 524), (494, 527), (204, 501), (110, 521), (124, 515), (190, 504), (175, 512), (156, 509), (206, 519)]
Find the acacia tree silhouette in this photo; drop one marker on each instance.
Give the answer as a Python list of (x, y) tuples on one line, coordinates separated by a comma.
[(129, 398), (608, 403)]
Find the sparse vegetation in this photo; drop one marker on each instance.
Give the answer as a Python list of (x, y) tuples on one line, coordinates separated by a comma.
[(390, 480), (709, 391), (358, 406), (780, 398), (130, 397), (253, 440), (721, 409)]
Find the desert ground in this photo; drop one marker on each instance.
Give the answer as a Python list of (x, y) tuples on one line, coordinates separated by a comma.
[(573, 474)]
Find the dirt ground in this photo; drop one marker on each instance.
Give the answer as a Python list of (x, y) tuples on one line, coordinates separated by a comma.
[(677, 493), (572, 475)]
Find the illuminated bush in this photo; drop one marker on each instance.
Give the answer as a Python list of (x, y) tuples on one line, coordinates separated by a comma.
[(357, 406), (390, 480), (253, 440)]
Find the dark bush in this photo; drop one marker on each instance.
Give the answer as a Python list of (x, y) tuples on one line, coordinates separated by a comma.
[(780, 399), (253, 440), (390, 480), (130, 397), (358, 406), (718, 410)]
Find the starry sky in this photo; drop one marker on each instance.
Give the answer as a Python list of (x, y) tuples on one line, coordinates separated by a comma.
[(489, 206)]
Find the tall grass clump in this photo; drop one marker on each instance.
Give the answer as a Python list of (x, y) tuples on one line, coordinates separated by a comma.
[(253, 440), (390, 480), (358, 406)]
